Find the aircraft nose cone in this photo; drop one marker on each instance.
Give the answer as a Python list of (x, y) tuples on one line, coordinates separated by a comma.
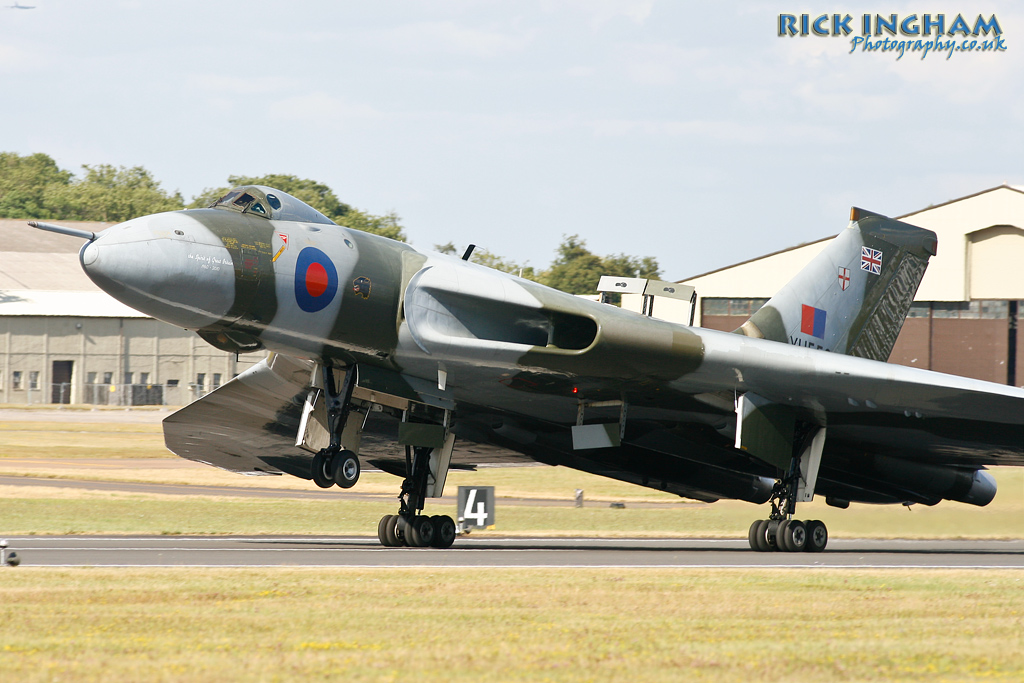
[(89, 254), (175, 280)]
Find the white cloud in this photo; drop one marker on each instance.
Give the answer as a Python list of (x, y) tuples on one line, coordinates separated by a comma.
[(602, 12), (580, 71), (321, 108), (238, 85), (660, 64), (448, 37), (15, 59)]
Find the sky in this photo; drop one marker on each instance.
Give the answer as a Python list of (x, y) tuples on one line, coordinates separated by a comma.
[(688, 131)]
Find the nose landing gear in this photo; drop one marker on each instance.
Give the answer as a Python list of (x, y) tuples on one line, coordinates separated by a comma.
[(335, 466)]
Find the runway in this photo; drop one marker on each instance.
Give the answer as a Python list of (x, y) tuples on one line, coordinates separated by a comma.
[(481, 552)]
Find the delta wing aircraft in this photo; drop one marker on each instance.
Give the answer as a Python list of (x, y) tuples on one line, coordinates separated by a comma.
[(416, 363)]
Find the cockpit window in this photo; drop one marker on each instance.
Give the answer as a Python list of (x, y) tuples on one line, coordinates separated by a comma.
[(226, 199), (254, 199), (244, 200)]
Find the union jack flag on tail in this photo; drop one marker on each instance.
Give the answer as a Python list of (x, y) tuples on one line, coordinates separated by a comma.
[(871, 260)]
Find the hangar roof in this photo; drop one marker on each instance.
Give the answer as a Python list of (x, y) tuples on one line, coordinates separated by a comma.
[(33, 270), (97, 304), (36, 259), (981, 244), (18, 237), (981, 247), (40, 275)]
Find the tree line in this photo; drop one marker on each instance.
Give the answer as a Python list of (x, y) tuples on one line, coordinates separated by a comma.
[(35, 187)]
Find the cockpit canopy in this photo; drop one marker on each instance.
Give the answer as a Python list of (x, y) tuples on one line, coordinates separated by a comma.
[(269, 203)]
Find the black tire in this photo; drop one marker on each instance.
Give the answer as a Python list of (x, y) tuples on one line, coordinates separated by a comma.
[(412, 536), (771, 534), (796, 536), (817, 536), (321, 470), (345, 469), (420, 532), (401, 529), (382, 531), (444, 531), (780, 536), (762, 536), (752, 535), (391, 531)]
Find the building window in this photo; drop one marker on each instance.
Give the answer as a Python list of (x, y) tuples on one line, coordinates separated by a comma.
[(108, 378), (920, 311), (201, 380), (16, 380), (143, 378), (995, 310), (216, 380), (33, 379), (172, 382), (971, 310), (128, 377), (90, 378)]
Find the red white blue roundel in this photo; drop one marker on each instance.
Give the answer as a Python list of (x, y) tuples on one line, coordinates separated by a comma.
[(316, 280)]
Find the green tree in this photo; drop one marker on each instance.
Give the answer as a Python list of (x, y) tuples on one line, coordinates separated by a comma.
[(110, 194), (622, 265), (24, 183), (387, 225), (319, 196), (577, 270), (491, 260)]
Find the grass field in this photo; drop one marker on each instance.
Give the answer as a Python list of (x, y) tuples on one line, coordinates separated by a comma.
[(391, 624), (511, 625), (46, 511), (116, 452), (81, 440)]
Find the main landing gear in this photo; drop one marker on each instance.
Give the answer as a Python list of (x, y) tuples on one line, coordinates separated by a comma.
[(409, 527), (780, 531)]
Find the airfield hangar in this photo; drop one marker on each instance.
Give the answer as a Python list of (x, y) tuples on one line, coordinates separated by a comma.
[(966, 314), (63, 340)]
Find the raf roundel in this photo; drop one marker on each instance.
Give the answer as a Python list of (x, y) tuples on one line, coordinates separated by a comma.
[(316, 280)]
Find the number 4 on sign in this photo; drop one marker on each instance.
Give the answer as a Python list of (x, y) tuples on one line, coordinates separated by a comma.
[(480, 516)]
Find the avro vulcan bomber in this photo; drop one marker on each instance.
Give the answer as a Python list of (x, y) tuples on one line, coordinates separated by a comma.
[(416, 363)]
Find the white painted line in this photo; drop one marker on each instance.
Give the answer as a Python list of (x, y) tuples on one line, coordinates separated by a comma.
[(525, 566)]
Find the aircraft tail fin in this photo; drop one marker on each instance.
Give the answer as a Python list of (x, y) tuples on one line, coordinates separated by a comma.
[(854, 296)]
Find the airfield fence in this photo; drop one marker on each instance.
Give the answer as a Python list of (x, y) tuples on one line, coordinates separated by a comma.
[(110, 394)]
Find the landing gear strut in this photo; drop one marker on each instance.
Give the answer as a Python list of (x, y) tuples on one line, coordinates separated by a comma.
[(335, 464), (410, 527), (780, 531)]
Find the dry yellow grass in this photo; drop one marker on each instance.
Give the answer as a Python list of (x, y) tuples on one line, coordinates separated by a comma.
[(81, 440), (510, 625), (86, 450)]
